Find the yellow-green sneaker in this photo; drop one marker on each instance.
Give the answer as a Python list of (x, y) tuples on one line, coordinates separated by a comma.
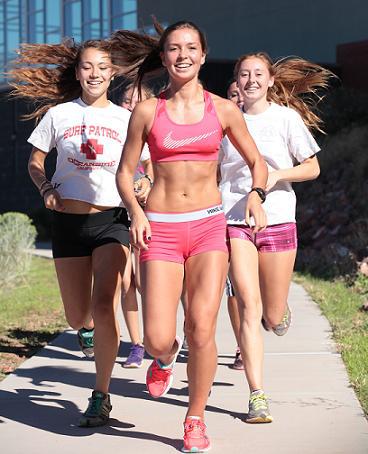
[(282, 328), (258, 412)]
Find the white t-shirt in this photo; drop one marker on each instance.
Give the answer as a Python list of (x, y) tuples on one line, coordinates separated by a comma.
[(89, 142), (284, 141), (145, 155)]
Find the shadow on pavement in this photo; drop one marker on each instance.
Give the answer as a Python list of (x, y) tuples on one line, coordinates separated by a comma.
[(45, 411)]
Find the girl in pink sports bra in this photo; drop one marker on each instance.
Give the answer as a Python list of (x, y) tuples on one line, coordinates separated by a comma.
[(170, 141), (183, 229)]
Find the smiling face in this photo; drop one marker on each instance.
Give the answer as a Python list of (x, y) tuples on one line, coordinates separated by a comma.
[(94, 72), (233, 93), (183, 54), (130, 99), (254, 80)]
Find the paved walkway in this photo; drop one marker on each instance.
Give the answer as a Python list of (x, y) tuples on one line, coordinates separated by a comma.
[(315, 410)]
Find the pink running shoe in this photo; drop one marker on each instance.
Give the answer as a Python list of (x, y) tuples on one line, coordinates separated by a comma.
[(195, 438), (159, 379)]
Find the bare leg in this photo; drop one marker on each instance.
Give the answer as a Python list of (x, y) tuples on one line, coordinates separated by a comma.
[(161, 289), (108, 261), (131, 316), (136, 270), (275, 272), (245, 278), (129, 303), (75, 281), (184, 303), (232, 307), (205, 280)]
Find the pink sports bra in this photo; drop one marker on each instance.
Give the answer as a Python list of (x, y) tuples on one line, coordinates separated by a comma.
[(169, 141)]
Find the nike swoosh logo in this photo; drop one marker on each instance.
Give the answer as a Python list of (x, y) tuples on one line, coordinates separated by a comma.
[(170, 143)]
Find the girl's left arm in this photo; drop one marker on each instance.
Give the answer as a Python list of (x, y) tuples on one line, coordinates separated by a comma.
[(306, 170), (140, 228)]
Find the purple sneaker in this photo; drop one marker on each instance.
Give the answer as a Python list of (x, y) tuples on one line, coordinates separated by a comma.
[(135, 357)]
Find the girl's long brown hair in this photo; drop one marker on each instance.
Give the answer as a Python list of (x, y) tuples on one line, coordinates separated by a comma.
[(45, 73), (135, 56), (138, 55), (299, 84)]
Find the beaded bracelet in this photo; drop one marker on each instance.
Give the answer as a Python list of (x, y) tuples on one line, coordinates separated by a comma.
[(45, 188)]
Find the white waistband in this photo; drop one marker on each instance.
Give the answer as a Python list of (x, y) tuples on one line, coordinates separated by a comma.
[(184, 217)]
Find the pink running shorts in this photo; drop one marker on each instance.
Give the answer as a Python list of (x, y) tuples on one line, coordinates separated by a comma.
[(177, 241), (275, 238)]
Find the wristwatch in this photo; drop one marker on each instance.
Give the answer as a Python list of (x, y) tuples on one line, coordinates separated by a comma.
[(149, 179), (261, 192)]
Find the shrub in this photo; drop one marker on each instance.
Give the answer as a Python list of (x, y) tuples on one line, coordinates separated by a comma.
[(17, 237)]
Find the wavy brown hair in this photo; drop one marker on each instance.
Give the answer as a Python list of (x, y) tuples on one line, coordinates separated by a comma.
[(138, 55), (45, 73), (299, 84)]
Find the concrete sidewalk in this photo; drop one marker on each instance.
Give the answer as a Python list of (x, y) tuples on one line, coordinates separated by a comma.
[(315, 410)]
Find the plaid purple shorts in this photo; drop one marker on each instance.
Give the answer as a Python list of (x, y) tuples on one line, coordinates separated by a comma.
[(275, 238)]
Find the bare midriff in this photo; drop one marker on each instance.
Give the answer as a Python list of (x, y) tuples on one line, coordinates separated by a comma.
[(182, 186), (80, 207)]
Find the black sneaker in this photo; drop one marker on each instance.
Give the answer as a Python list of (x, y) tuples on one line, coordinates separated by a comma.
[(86, 341), (98, 411)]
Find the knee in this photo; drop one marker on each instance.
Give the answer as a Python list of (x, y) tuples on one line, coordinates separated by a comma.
[(157, 347), (250, 309), (103, 311), (199, 336), (76, 319)]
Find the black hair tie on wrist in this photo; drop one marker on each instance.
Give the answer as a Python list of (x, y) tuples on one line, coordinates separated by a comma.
[(261, 192)]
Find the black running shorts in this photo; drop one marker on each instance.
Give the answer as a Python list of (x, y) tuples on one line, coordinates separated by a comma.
[(77, 235)]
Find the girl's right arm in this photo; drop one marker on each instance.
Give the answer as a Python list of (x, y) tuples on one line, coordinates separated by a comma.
[(36, 169), (136, 137)]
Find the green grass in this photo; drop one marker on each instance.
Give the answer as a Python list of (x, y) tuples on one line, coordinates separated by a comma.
[(341, 304), (31, 314)]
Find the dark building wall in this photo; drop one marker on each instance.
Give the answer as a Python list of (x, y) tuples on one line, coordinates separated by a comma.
[(17, 192), (309, 29), (352, 59)]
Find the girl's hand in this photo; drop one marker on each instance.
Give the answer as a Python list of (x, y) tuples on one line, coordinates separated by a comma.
[(273, 179), (140, 231), (142, 188), (254, 209), (52, 200)]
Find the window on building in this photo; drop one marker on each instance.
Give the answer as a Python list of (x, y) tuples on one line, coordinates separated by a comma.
[(53, 21), (124, 14), (92, 19), (73, 19)]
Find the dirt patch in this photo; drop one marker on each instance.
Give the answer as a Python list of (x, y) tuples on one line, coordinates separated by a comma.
[(18, 344)]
